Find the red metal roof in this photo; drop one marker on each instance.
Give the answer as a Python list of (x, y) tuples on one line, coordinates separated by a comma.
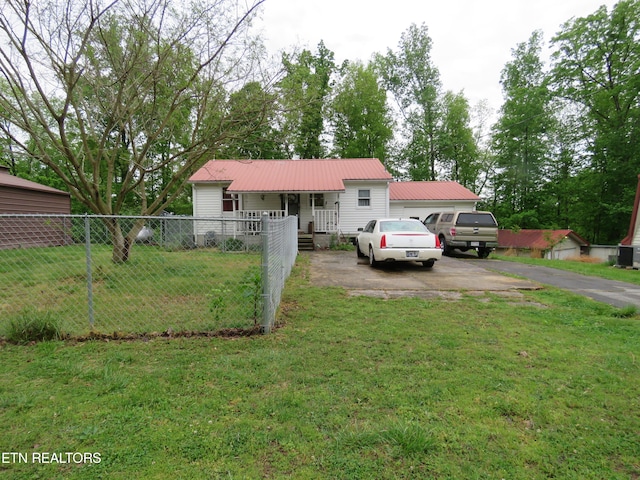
[(541, 239), (430, 191), (290, 175)]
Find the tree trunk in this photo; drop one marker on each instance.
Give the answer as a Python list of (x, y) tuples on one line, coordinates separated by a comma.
[(121, 247), (122, 243)]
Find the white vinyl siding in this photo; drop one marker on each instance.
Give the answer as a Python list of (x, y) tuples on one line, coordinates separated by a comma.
[(352, 216), (207, 200), (258, 201)]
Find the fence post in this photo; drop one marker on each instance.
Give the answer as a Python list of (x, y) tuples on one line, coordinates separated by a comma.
[(87, 249), (266, 295)]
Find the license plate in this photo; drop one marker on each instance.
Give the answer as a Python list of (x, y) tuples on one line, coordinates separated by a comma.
[(412, 254), (475, 244)]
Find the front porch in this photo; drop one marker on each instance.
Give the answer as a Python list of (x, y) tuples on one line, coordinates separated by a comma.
[(321, 221)]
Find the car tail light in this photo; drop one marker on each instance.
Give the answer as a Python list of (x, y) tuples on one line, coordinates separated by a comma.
[(452, 231), (437, 242), (383, 241)]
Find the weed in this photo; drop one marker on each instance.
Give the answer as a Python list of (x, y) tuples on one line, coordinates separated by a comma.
[(626, 312), (218, 301), (32, 325), (251, 287), (409, 439)]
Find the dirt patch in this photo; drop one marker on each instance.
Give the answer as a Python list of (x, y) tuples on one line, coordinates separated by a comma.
[(168, 334)]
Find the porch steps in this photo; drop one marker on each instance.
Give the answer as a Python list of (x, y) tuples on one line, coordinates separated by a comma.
[(305, 242)]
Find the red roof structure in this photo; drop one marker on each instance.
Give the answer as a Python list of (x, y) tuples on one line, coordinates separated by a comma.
[(11, 181), (21, 196), (430, 191), (539, 239), (326, 175)]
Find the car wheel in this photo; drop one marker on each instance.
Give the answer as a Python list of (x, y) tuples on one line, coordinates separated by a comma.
[(360, 254), (372, 260), (429, 263)]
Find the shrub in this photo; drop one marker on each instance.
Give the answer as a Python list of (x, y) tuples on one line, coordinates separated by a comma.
[(32, 325), (233, 245)]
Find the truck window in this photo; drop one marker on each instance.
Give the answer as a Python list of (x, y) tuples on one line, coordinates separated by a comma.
[(433, 218), (476, 220)]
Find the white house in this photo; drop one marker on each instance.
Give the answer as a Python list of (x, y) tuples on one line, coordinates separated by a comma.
[(329, 196)]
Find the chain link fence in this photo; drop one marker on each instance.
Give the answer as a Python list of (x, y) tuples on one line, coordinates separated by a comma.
[(143, 275)]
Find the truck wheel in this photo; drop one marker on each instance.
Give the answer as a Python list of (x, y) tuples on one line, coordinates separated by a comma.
[(483, 252), (443, 245)]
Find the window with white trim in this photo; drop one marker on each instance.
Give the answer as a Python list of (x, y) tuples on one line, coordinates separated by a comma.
[(364, 198), (228, 201)]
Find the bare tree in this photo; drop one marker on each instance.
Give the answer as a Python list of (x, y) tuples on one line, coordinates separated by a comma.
[(109, 93)]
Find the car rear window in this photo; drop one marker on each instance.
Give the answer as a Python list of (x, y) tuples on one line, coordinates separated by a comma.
[(402, 226), (476, 220)]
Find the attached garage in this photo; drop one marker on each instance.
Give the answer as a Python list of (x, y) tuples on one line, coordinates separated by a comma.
[(419, 199)]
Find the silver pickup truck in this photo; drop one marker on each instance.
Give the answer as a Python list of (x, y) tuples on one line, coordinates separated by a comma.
[(464, 230)]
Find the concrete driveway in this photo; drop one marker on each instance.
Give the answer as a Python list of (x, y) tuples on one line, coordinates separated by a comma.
[(449, 278)]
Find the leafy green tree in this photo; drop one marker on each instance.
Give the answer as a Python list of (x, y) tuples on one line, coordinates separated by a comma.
[(596, 65), (304, 91), (481, 118), (361, 119), (560, 195), (108, 96), (521, 136), (252, 135), (457, 147), (409, 74)]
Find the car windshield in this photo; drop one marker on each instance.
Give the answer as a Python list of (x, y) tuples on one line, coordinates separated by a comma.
[(402, 226)]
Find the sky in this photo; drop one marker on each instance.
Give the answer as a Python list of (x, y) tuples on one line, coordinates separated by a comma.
[(472, 39)]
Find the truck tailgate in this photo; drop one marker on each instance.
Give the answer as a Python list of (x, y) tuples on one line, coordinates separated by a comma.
[(476, 234)]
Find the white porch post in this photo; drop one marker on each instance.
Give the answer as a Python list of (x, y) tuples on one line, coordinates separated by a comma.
[(313, 212)]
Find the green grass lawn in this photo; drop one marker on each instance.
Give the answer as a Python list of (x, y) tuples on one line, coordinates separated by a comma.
[(156, 290), (545, 385)]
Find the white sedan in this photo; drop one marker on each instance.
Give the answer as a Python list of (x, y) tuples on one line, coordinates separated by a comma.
[(398, 240)]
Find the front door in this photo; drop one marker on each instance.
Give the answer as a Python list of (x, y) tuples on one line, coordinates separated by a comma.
[(292, 205)]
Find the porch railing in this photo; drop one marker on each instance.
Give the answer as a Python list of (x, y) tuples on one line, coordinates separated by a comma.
[(254, 225), (325, 221)]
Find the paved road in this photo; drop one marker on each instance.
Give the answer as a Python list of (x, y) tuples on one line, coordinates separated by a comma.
[(618, 294)]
